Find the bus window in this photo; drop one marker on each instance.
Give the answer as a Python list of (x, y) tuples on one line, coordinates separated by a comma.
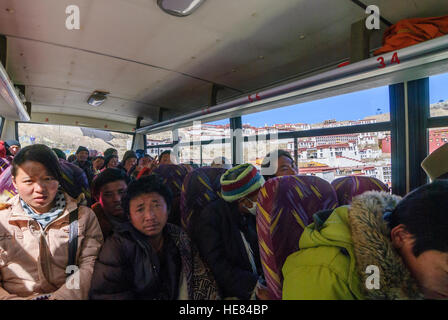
[(437, 137), (356, 108), (203, 155), (326, 156), (438, 99), (153, 141), (68, 138), (212, 151), (438, 95)]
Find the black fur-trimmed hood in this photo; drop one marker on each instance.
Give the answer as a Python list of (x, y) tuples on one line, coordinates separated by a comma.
[(372, 246)]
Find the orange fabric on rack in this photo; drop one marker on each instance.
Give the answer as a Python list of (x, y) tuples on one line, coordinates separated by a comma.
[(408, 32)]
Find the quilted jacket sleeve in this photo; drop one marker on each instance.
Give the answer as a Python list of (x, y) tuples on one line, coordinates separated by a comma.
[(112, 278), (232, 280)]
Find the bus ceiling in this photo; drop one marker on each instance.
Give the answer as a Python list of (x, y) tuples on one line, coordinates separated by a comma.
[(159, 67), (11, 105)]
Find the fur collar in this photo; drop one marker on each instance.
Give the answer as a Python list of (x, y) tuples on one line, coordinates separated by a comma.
[(372, 246)]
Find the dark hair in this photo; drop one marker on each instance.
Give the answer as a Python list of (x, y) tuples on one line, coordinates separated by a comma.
[(164, 153), (109, 152), (424, 213), (108, 158), (38, 153), (98, 157), (145, 156), (105, 177), (60, 153), (144, 185), (267, 161), (128, 155)]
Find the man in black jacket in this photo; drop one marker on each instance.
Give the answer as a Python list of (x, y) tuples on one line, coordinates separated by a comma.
[(147, 258), (226, 236), (82, 155)]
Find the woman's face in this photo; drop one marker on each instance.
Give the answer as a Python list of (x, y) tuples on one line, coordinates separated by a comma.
[(145, 161), (286, 167), (113, 163), (130, 163), (98, 163), (36, 186), (148, 213)]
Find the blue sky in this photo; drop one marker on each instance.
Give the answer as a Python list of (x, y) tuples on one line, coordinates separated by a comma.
[(351, 106)]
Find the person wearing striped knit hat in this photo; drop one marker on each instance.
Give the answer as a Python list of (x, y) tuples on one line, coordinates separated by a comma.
[(226, 236)]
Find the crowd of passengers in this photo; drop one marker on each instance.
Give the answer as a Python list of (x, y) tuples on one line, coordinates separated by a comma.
[(115, 221)]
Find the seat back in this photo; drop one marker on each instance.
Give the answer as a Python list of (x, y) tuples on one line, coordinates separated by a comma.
[(200, 187), (7, 189), (350, 186), (173, 177), (285, 207), (74, 180)]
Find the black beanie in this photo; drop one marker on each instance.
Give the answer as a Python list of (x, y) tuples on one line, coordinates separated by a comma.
[(127, 155), (12, 142), (81, 148)]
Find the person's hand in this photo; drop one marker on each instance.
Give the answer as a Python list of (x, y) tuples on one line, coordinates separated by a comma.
[(154, 164), (262, 292)]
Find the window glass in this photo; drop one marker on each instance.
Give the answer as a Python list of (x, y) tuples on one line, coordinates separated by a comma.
[(154, 140), (331, 157), (212, 151), (437, 137), (356, 108), (438, 95), (214, 131), (68, 138), (335, 156)]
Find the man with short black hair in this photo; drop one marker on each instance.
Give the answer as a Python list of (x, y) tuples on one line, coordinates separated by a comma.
[(108, 189), (226, 236), (165, 157), (12, 148), (148, 258)]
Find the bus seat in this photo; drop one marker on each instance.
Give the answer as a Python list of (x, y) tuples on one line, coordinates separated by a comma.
[(200, 187), (7, 189), (350, 186), (187, 166), (74, 181), (285, 206), (173, 176)]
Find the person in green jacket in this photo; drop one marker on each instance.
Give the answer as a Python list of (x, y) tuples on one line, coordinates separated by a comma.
[(377, 248)]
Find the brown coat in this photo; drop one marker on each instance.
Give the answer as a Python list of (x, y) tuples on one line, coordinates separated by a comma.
[(33, 261), (106, 226)]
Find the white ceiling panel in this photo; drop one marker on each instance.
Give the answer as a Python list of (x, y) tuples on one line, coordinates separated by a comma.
[(148, 59)]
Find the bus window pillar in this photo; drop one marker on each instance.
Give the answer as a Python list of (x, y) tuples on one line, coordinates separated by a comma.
[(9, 130), (176, 141), (409, 108), (236, 139), (139, 142)]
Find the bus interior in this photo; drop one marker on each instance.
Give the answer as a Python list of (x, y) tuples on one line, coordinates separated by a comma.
[(234, 79)]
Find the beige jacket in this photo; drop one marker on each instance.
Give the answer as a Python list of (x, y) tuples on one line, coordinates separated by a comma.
[(33, 261)]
